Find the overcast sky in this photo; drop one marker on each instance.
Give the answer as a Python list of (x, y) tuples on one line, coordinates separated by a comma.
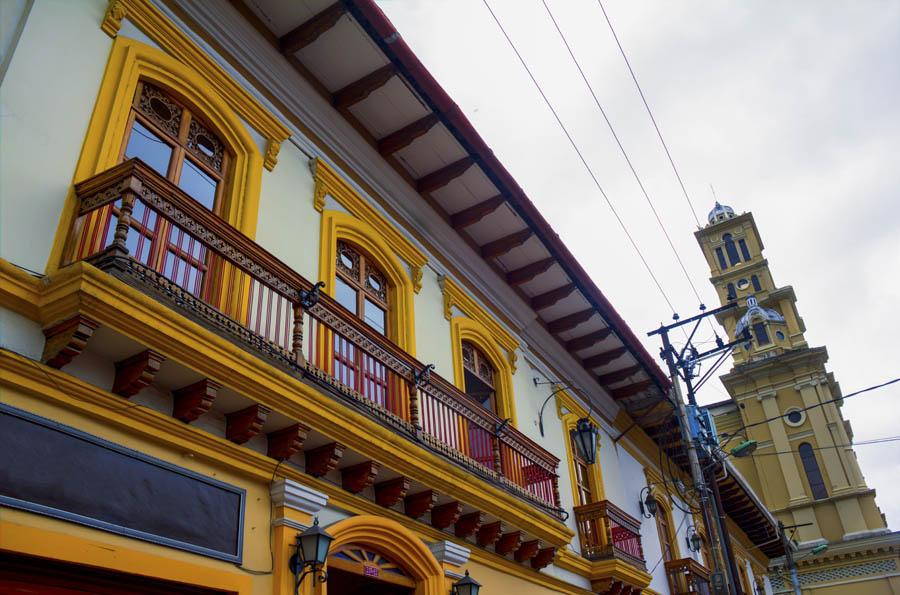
[(790, 110)]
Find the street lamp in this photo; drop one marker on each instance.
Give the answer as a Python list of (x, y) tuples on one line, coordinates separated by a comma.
[(466, 586), (744, 449), (312, 552), (648, 504), (585, 435), (694, 541)]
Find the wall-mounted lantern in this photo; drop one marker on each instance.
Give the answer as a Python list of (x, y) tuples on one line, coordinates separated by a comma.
[(312, 552), (466, 586), (647, 503), (693, 539), (585, 435)]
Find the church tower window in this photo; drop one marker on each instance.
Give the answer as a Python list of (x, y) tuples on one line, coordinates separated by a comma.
[(744, 251), (722, 264), (731, 249), (813, 474), (755, 281)]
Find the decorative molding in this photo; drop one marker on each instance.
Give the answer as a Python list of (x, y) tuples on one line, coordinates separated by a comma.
[(296, 496), (489, 534), (446, 514), (416, 505), (358, 477), (389, 493), (194, 400), (324, 459), (527, 550), (135, 373), (508, 543), (543, 558), (170, 38), (66, 340), (454, 295), (468, 524), (449, 552)]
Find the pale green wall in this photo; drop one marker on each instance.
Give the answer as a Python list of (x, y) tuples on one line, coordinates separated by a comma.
[(288, 225), (46, 101)]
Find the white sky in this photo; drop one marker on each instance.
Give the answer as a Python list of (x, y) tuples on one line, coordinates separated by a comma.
[(790, 110)]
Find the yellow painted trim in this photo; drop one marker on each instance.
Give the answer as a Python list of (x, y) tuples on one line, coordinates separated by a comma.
[(329, 183), (81, 288), (665, 504), (603, 569), (34, 541), (173, 40), (455, 296), (569, 420), (341, 226), (129, 62), (467, 329), (395, 541)]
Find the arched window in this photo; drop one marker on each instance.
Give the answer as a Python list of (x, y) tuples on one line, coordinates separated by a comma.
[(813, 475), (172, 139), (731, 249), (755, 281), (719, 255), (761, 334), (744, 251), (664, 528), (479, 375), (361, 287), (583, 482)]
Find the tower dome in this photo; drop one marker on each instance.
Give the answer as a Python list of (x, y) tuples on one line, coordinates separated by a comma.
[(720, 213)]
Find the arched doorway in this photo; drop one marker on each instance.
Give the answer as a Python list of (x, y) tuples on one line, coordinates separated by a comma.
[(379, 556), (358, 570)]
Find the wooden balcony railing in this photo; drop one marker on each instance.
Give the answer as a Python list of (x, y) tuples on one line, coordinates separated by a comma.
[(606, 531), (687, 576), (140, 227)]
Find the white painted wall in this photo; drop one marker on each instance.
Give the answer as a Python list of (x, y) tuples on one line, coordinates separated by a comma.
[(432, 329), (46, 101), (21, 335)]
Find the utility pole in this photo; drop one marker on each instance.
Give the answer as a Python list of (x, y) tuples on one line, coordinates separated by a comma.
[(682, 368), (789, 559)]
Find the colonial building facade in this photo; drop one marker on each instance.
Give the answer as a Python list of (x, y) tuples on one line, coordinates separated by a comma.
[(258, 269), (783, 397)]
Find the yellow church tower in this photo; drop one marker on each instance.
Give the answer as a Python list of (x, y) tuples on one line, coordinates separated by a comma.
[(782, 396)]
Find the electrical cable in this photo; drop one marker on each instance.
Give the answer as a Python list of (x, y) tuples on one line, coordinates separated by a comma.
[(677, 529), (650, 113), (615, 136), (853, 394), (860, 443), (581, 157)]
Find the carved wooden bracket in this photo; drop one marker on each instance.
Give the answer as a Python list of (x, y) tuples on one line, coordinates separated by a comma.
[(527, 550), (416, 505), (135, 373), (446, 514), (489, 534), (194, 400), (67, 340), (468, 524), (323, 459), (356, 478), (508, 543), (543, 558), (243, 425), (390, 492), (284, 443)]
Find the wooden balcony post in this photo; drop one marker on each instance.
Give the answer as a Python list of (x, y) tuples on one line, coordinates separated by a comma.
[(414, 405), (498, 460), (297, 334), (120, 236)]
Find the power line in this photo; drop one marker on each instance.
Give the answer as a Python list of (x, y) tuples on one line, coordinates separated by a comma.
[(650, 113), (860, 443), (853, 394), (615, 136), (580, 156)]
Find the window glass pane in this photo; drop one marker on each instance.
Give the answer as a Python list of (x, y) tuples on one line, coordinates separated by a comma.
[(148, 147), (744, 251), (200, 186), (374, 316), (762, 336), (345, 295), (721, 257)]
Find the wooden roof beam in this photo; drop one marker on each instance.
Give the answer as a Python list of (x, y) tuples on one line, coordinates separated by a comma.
[(545, 300), (362, 88), (529, 271), (585, 341), (475, 213), (504, 245), (309, 31), (443, 176), (399, 139), (601, 359), (618, 375), (569, 322), (630, 390)]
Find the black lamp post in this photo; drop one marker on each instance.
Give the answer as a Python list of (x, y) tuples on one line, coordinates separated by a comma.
[(466, 586), (585, 435), (647, 503), (312, 552)]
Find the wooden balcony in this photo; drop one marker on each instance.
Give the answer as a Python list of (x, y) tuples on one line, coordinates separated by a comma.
[(687, 576), (144, 230), (607, 532)]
